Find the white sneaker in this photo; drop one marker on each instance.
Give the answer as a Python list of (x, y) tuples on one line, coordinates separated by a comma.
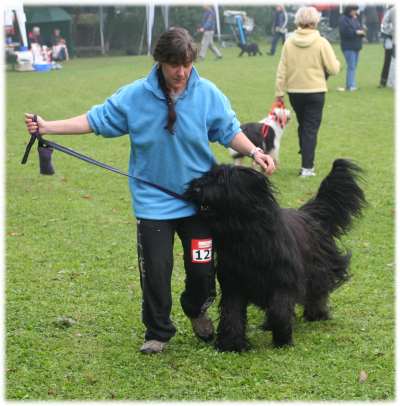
[(305, 172)]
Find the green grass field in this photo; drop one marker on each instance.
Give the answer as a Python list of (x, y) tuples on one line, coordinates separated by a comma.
[(70, 252)]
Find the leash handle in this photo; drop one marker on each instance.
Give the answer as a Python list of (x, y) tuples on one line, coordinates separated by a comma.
[(278, 105), (32, 140)]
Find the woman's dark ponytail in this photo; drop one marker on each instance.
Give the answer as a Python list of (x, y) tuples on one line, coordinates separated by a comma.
[(170, 102)]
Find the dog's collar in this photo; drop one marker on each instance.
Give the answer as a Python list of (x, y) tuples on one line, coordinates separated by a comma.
[(264, 130)]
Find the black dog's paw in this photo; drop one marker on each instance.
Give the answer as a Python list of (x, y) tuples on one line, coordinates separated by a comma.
[(282, 337), (319, 315), (283, 343), (232, 345)]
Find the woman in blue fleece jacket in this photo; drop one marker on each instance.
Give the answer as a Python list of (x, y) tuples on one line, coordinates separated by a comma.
[(171, 116)]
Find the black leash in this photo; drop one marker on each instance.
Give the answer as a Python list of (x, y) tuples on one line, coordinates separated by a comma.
[(46, 143)]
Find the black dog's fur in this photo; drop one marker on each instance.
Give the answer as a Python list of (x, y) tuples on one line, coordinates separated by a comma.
[(251, 49), (274, 257)]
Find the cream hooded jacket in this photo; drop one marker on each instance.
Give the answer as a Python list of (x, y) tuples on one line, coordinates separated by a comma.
[(305, 61)]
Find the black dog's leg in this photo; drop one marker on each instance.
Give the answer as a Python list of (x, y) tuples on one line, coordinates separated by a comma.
[(241, 53), (231, 332), (316, 308), (280, 318), (266, 325)]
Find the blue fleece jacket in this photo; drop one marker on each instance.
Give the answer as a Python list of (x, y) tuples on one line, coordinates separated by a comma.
[(139, 109)]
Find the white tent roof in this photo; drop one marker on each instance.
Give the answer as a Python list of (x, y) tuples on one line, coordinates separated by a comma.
[(18, 8)]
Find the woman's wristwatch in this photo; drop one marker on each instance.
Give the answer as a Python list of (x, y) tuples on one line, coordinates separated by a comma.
[(254, 151)]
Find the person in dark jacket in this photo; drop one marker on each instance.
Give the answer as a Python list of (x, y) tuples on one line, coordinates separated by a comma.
[(351, 36), (278, 28)]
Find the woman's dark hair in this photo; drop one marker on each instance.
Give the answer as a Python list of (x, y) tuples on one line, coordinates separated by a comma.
[(348, 9), (175, 47)]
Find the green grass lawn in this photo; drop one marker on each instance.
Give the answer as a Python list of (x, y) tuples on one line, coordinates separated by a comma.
[(70, 252)]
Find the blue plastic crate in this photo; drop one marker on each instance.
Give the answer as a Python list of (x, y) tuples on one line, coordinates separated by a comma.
[(42, 67)]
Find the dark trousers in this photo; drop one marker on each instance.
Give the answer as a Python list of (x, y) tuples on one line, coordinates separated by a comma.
[(155, 239), (386, 66), (308, 108), (275, 39)]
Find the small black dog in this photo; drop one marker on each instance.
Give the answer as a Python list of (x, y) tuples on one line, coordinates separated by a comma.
[(274, 257), (251, 49)]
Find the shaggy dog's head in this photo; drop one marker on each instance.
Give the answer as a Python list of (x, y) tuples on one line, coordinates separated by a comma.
[(229, 191)]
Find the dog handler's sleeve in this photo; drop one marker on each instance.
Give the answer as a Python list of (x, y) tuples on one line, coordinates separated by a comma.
[(222, 121), (109, 119)]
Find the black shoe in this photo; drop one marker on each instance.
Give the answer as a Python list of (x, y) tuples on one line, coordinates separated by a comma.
[(203, 327)]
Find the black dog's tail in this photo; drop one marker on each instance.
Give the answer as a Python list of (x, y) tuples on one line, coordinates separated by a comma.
[(339, 198)]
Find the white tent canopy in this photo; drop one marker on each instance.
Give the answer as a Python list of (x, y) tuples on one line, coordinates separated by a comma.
[(18, 8)]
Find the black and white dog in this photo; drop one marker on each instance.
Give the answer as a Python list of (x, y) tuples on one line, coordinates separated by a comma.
[(266, 134), (273, 257), (251, 49)]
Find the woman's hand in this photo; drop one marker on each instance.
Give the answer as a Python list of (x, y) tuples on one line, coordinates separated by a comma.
[(265, 161), (33, 126)]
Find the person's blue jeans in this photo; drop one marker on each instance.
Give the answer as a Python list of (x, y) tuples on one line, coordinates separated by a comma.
[(351, 62), (275, 39)]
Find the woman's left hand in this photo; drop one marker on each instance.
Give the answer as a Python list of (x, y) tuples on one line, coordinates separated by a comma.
[(265, 161)]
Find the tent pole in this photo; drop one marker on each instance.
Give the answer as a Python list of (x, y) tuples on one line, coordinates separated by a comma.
[(103, 51)]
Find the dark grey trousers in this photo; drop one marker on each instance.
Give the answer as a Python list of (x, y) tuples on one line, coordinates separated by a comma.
[(155, 239), (308, 108)]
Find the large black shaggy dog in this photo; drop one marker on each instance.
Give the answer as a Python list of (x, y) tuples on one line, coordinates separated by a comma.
[(274, 257)]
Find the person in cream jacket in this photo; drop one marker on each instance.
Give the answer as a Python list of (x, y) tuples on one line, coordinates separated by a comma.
[(307, 60)]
